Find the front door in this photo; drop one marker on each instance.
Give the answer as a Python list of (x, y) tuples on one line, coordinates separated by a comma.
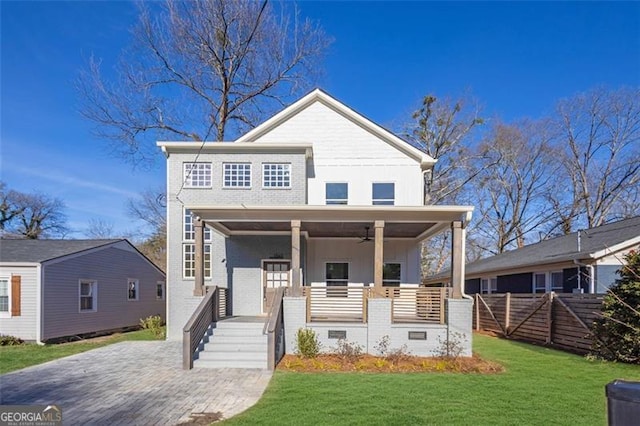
[(275, 273)]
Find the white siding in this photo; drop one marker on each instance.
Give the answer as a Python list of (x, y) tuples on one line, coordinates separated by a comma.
[(360, 258), (345, 152), (23, 326)]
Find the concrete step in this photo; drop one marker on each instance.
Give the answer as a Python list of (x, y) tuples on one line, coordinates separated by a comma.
[(217, 333), (208, 363), (238, 338), (234, 356), (224, 346), (229, 324)]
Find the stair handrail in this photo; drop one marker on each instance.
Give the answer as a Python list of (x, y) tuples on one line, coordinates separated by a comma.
[(273, 327), (205, 314)]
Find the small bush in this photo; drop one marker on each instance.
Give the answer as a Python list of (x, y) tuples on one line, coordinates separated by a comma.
[(10, 340), (155, 324), (452, 347), (348, 351), (307, 344), (383, 348)]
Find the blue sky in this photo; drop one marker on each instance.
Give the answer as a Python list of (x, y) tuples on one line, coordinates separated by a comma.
[(516, 58)]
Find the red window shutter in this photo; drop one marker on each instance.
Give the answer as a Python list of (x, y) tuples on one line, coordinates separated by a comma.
[(15, 295)]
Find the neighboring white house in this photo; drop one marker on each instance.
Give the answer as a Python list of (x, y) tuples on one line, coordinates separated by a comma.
[(320, 197), (51, 289), (552, 265)]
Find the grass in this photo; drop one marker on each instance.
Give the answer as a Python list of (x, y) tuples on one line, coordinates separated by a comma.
[(540, 387), (16, 357)]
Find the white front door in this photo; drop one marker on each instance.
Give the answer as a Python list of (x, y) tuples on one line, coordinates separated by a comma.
[(275, 273)]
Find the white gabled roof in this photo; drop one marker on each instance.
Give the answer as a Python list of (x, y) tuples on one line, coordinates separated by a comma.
[(318, 95)]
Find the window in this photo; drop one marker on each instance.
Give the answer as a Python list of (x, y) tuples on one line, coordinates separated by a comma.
[(383, 194), (133, 289), (391, 274), (237, 175), (197, 175), (539, 283), (557, 281), (160, 290), (190, 231), (276, 175), (336, 193), (88, 296), (337, 273), (489, 285), (4, 297), (189, 260)]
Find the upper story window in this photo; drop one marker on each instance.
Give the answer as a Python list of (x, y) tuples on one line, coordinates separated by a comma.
[(197, 175), (276, 175), (236, 175), (133, 289), (337, 193), (383, 194), (189, 232)]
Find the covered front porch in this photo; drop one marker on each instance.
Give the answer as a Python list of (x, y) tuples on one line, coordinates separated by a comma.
[(349, 272)]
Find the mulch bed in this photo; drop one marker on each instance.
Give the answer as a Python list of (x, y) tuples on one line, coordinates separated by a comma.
[(373, 364)]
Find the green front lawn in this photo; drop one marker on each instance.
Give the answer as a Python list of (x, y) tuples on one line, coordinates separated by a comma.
[(17, 357), (540, 386)]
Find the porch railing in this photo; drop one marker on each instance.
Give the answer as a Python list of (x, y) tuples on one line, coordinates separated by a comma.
[(417, 304), (212, 307), (274, 329), (336, 303)]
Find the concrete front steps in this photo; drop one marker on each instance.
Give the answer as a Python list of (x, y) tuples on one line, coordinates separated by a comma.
[(235, 342)]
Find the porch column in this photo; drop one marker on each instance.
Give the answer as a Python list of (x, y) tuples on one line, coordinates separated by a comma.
[(198, 227), (295, 257), (457, 258), (379, 256)]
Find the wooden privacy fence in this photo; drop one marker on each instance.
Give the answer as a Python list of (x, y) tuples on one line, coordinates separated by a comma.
[(561, 320)]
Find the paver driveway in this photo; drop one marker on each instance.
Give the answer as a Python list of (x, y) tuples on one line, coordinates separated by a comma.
[(132, 383)]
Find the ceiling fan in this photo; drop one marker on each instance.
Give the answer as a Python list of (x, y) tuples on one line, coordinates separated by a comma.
[(366, 235)]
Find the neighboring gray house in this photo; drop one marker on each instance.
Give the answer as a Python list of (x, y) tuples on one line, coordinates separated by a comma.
[(321, 201), (552, 265), (57, 288)]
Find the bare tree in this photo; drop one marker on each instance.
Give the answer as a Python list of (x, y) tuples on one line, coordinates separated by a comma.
[(99, 229), (600, 136), (150, 208), (511, 189), (41, 216), (201, 69), (10, 207)]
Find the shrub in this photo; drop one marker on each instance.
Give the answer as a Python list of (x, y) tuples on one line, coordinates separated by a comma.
[(10, 340), (348, 351), (155, 324), (617, 332), (307, 344), (383, 349), (452, 347)]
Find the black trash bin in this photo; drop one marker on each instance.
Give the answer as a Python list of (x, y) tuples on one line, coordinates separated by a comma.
[(623, 403)]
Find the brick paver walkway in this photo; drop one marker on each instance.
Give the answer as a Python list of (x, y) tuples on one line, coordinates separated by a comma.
[(132, 383)]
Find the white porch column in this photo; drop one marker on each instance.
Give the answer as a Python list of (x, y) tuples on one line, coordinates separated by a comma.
[(457, 258), (379, 256), (198, 286), (295, 257)]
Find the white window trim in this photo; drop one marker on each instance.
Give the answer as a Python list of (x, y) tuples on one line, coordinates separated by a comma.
[(206, 277), (489, 288), (187, 175), (162, 285), (534, 285), (340, 203), (207, 230), (137, 288), (288, 169), (94, 295), (224, 171), (393, 200), (8, 313), (550, 281)]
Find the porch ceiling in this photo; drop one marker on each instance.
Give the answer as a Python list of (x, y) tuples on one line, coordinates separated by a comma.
[(334, 221)]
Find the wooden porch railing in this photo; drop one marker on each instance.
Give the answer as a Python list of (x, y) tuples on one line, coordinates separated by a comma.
[(336, 303), (212, 307), (417, 304), (274, 329)]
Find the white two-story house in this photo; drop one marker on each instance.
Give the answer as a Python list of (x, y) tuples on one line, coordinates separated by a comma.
[(313, 219)]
